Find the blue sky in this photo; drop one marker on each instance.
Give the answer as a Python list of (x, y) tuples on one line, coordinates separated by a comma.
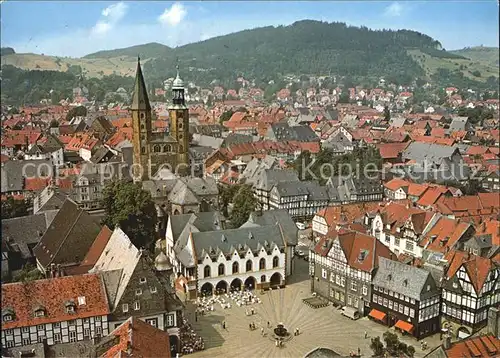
[(76, 28)]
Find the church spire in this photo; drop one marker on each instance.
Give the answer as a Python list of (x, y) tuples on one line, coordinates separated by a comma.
[(140, 100)]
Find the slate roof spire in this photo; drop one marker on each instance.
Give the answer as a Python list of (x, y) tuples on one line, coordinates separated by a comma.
[(140, 100)]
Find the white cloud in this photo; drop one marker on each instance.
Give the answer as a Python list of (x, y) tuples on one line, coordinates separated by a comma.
[(174, 15), (394, 10), (111, 16)]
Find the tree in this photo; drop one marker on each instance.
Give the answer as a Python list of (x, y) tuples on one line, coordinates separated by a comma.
[(391, 343), (377, 347), (226, 196), (12, 208), (344, 97), (54, 123), (28, 273), (244, 204), (79, 111), (410, 351), (126, 204), (387, 113), (225, 116)]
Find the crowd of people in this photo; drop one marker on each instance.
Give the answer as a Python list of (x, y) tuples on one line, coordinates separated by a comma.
[(240, 298), (191, 342)]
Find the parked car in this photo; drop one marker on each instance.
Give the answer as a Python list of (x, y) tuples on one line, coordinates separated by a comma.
[(350, 312)]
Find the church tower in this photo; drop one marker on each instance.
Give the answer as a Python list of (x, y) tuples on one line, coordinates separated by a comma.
[(179, 124), (141, 125)]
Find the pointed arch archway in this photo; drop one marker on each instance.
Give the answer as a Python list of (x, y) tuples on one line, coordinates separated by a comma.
[(275, 279), (221, 287), (236, 285), (250, 283), (207, 289)]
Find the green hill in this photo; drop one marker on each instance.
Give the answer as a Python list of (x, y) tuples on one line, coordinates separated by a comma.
[(150, 50), (485, 55)]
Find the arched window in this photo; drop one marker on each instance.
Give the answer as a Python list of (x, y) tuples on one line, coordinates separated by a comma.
[(222, 270), (143, 150), (181, 136), (249, 265), (164, 149), (206, 271), (263, 278), (236, 267), (142, 126), (276, 261), (262, 264), (142, 115), (168, 148), (157, 149), (180, 125)]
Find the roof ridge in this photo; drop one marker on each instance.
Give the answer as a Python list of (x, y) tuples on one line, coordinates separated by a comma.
[(67, 234)]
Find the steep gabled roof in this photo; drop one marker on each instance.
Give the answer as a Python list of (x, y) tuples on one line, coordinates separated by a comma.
[(69, 236)]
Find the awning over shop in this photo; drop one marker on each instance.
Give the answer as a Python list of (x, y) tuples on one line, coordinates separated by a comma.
[(377, 314), (405, 326)]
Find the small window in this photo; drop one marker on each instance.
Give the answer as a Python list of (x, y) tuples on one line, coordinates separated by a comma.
[(57, 324), (137, 305), (70, 309), (86, 333), (72, 322), (143, 280), (25, 329), (138, 292), (142, 115), (9, 332), (153, 289), (7, 318), (98, 319), (81, 300), (40, 327), (57, 338), (26, 341), (125, 307)]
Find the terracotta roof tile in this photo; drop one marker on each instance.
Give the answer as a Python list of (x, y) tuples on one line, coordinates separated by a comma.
[(444, 235), (97, 247), (143, 339), (52, 295)]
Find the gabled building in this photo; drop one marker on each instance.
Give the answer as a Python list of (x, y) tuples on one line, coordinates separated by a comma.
[(227, 260), (56, 310), (471, 286), (19, 238), (407, 298), (68, 238), (136, 288), (342, 267), (266, 181), (400, 227)]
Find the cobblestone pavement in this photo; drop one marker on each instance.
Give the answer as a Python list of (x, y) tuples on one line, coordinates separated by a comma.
[(324, 327)]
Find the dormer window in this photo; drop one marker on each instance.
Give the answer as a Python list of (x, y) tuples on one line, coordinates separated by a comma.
[(8, 317), (70, 306)]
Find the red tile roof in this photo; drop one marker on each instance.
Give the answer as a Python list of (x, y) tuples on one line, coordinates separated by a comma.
[(391, 150), (52, 295), (444, 234), (482, 346), (97, 247), (139, 339), (431, 195), (477, 267)]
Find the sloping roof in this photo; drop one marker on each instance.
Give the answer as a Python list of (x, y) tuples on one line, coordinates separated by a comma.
[(429, 152), (477, 267), (240, 239), (97, 247), (182, 195), (401, 278), (69, 236), (52, 294), (477, 346), (119, 254), (141, 338), (444, 234), (20, 232), (13, 172), (272, 217), (363, 251)]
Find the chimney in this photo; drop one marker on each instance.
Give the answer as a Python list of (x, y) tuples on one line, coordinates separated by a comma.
[(447, 342)]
